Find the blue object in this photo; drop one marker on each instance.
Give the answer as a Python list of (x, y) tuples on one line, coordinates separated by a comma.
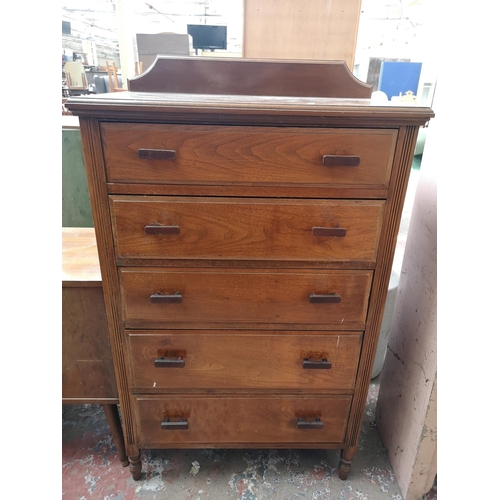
[(399, 77)]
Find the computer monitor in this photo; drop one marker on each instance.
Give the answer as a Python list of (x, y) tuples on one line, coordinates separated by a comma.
[(207, 37)]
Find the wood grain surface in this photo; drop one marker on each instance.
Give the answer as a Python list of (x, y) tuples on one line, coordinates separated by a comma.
[(262, 110), (94, 164), (244, 297), (248, 360), (251, 77), (323, 30), (80, 261), (246, 155), (237, 419), (87, 367), (262, 229), (239, 266)]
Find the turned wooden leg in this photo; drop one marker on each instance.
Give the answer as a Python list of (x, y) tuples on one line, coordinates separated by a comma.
[(136, 467), (134, 456), (115, 425), (346, 456)]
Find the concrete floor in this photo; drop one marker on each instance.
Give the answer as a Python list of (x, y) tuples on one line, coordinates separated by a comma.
[(92, 470)]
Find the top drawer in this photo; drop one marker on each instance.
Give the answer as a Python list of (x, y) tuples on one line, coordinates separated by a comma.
[(214, 155)]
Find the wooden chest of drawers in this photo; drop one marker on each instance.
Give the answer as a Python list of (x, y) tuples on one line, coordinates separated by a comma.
[(246, 245)]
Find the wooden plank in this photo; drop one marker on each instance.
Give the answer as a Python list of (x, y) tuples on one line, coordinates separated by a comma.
[(245, 229), (246, 155), (201, 75), (99, 198), (244, 360), (250, 299), (257, 420), (292, 29), (87, 366), (80, 261), (246, 110)]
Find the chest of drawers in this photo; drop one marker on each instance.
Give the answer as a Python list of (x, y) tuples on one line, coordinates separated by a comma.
[(246, 244)]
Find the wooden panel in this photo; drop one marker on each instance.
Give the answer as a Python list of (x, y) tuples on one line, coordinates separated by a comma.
[(399, 182), (259, 110), (94, 163), (244, 297), (80, 261), (225, 228), (252, 77), (247, 155), (251, 360), (241, 420), (317, 192), (87, 366), (284, 29)]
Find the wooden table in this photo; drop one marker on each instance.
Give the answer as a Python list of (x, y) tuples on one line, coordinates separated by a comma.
[(87, 367)]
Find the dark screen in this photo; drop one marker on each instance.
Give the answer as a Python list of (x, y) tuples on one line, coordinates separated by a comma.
[(208, 37)]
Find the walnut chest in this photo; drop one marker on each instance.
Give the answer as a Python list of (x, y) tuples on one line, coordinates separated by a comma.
[(246, 231)]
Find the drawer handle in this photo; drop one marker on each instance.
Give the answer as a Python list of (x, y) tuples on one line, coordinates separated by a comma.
[(341, 161), (329, 231), (169, 362), (169, 425), (316, 364), (317, 423), (158, 230), (330, 298), (157, 154), (159, 298)]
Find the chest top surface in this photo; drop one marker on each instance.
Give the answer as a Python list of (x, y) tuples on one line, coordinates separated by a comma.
[(250, 92)]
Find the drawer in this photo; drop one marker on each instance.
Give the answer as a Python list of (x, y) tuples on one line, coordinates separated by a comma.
[(238, 229), (184, 296), (215, 155), (237, 360), (236, 420)]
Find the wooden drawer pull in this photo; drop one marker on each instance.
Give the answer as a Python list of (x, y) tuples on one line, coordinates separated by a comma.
[(159, 298), (316, 364), (169, 362), (169, 425), (310, 424), (157, 154), (158, 230), (329, 231), (341, 161), (330, 298)]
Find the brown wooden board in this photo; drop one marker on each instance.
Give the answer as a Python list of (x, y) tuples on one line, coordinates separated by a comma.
[(244, 360), (242, 420), (245, 228), (201, 75)]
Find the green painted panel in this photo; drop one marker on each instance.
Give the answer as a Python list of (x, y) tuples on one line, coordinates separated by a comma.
[(76, 209)]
